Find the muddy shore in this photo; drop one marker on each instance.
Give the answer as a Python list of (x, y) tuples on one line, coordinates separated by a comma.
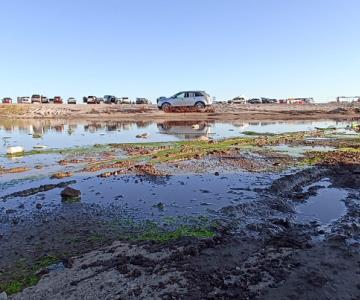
[(261, 216), (335, 111), (258, 252)]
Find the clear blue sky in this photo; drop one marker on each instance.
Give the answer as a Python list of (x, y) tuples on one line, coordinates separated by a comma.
[(150, 48)]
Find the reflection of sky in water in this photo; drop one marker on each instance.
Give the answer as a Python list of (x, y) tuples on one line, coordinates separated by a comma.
[(57, 135), (181, 195), (325, 207)]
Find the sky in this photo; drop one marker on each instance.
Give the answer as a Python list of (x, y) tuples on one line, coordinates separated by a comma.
[(152, 48)]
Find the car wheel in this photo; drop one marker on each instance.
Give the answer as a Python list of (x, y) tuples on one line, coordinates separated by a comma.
[(200, 105), (165, 106)]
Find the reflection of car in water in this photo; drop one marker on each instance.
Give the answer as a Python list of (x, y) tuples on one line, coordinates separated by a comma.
[(185, 129)]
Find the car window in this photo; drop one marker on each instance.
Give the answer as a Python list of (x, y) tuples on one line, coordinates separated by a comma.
[(198, 94), (180, 95)]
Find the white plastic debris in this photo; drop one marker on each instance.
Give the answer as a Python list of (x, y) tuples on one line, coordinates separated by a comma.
[(15, 150)]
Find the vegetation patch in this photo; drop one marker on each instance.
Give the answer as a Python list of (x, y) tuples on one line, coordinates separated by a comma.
[(258, 133), (26, 276), (159, 235)]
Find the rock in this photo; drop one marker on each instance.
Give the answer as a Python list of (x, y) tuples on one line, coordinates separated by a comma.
[(15, 150), (338, 110), (3, 296), (61, 175), (160, 206), (40, 147), (70, 194), (203, 138), (38, 205), (143, 136), (216, 173)]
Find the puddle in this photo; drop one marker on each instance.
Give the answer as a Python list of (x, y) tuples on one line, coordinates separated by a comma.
[(298, 151), (63, 134), (325, 207), (138, 195)]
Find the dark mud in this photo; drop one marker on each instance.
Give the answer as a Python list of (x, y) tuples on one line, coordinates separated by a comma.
[(259, 251)]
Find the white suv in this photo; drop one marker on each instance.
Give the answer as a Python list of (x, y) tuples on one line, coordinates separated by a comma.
[(198, 99)]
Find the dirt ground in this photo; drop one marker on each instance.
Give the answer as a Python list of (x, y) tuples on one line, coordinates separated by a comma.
[(216, 112)]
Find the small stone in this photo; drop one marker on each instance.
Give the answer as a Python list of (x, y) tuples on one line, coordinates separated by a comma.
[(61, 175), (70, 194), (216, 173), (38, 205), (160, 206)]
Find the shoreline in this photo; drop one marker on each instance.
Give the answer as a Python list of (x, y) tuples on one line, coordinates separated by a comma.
[(219, 112)]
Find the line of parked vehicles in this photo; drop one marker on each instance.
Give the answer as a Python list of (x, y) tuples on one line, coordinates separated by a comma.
[(36, 98), (263, 100), (193, 98)]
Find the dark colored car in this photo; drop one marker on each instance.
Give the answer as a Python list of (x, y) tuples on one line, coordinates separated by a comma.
[(268, 100), (142, 101), (108, 99), (254, 101)]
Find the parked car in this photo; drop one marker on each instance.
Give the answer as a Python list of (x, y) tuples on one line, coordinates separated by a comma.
[(142, 101), (71, 100), (160, 98), (23, 100), (100, 100), (198, 99), (108, 99), (44, 99), (254, 101), (237, 100), (91, 100), (58, 100), (268, 100), (35, 98), (6, 100), (125, 100)]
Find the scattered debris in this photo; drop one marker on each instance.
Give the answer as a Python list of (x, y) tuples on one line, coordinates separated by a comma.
[(143, 136), (15, 150)]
